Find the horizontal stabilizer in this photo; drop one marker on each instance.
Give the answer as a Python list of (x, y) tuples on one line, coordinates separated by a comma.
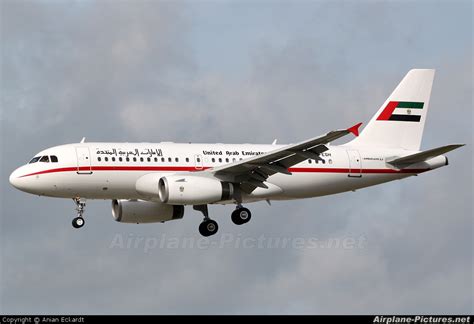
[(405, 161)]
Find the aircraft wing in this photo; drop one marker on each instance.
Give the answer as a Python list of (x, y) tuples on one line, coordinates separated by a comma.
[(403, 162), (253, 172)]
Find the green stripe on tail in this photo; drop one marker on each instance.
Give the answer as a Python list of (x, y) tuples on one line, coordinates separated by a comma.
[(410, 104)]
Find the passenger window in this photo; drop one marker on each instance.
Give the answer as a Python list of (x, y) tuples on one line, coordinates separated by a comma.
[(127, 159), (309, 161), (44, 159), (227, 160), (213, 160), (134, 159), (53, 158), (187, 159), (176, 159), (113, 159), (141, 159), (148, 159), (156, 159), (106, 159), (162, 159), (98, 159), (169, 159), (233, 159), (120, 159), (198, 159), (35, 159)]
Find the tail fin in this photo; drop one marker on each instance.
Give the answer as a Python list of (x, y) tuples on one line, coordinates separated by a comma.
[(400, 121)]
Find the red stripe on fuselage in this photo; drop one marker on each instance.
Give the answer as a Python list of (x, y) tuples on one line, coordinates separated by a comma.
[(50, 171), (117, 168), (193, 169)]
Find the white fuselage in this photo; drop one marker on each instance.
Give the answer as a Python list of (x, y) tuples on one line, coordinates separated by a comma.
[(111, 170)]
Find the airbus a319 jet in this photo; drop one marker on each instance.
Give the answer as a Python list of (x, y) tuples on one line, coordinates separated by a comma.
[(152, 182)]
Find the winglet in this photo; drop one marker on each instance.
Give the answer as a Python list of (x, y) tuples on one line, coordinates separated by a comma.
[(355, 129)]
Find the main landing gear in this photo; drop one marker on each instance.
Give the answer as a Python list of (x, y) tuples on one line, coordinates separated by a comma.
[(208, 227), (241, 215), (78, 222)]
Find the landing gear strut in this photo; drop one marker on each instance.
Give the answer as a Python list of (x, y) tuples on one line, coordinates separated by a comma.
[(241, 215), (208, 226), (78, 222)]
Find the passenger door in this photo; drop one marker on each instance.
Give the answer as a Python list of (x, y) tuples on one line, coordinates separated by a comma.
[(355, 165), (83, 160)]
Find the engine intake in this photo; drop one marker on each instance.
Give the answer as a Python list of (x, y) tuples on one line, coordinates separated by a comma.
[(140, 211), (193, 190)]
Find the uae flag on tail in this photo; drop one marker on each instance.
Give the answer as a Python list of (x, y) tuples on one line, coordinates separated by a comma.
[(407, 111)]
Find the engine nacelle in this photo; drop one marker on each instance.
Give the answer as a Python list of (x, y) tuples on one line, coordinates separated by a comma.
[(141, 211), (193, 190), (147, 186)]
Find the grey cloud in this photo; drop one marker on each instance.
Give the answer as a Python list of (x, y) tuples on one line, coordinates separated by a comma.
[(92, 55)]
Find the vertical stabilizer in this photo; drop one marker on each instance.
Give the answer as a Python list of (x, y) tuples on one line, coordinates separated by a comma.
[(400, 121)]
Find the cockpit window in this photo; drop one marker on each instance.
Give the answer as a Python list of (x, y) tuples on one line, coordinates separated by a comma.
[(44, 159), (35, 159), (53, 158)]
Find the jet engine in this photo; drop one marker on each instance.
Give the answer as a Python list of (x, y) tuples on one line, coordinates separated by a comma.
[(193, 190), (141, 211)]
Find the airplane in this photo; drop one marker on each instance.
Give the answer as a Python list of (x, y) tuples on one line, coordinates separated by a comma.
[(152, 182)]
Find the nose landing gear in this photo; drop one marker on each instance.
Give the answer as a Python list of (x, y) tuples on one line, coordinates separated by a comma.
[(78, 222)]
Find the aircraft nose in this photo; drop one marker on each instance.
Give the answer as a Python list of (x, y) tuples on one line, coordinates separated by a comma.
[(25, 183), (17, 181), (14, 181)]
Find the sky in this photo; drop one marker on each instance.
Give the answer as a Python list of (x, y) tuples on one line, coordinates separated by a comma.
[(235, 72)]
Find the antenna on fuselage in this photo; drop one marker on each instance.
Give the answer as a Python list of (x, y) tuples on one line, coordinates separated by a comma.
[(83, 140)]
